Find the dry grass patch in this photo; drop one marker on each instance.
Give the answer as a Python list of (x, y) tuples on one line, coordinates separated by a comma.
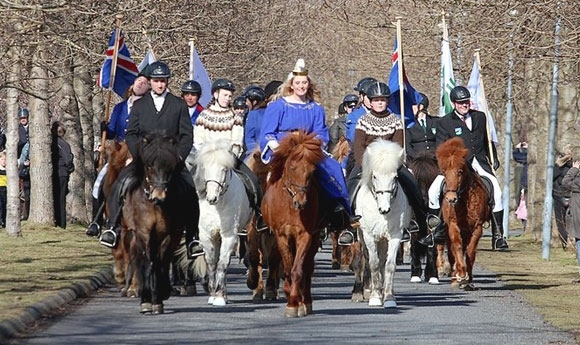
[(44, 260)]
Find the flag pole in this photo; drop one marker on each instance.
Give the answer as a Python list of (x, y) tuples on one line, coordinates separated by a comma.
[(486, 111), (401, 84), (191, 58), (118, 17), (148, 42), (443, 81)]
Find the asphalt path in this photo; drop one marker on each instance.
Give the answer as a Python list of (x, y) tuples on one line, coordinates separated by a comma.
[(427, 314)]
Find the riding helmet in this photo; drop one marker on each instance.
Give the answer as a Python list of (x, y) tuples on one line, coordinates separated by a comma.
[(424, 101), (224, 84), (23, 113), (159, 69), (255, 93), (240, 103), (363, 84), (378, 89), (459, 94), (350, 98), (191, 86)]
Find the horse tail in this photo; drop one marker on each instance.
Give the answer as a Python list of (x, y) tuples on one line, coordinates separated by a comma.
[(197, 267)]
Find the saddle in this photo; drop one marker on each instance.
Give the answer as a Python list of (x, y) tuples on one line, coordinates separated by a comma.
[(486, 184), (250, 188)]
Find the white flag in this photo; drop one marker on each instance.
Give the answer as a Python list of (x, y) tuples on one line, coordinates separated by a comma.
[(198, 73), (447, 79), (478, 100), (147, 60)]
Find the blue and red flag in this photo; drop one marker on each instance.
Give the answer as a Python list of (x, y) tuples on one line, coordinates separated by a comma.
[(125, 72), (411, 96)]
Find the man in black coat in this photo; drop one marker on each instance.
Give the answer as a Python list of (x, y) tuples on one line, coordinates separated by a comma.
[(470, 125), (62, 167), (420, 139), (160, 110)]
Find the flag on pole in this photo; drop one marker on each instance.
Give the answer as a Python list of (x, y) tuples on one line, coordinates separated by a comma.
[(447, 79), (147, 60), (478, 100), (411, 96), (125, 70), (197, 70)]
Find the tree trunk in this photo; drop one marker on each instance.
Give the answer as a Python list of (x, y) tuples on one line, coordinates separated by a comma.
[(41, 198)]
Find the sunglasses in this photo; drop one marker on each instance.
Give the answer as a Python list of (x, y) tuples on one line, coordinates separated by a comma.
[(351, 105)]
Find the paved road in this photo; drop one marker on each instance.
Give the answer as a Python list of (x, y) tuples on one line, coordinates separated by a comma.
[(426, 315)]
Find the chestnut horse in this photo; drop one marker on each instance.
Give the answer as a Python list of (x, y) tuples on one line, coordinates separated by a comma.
[(464, 208), (291, 209), (263, 254), (155, 213)]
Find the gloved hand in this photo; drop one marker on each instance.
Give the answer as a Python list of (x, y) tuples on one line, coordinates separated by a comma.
[(104, 126)]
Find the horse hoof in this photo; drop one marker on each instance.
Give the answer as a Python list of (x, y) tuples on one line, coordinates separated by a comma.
[(415, 279), (467, 287), (157, 309), (132, 293), (146, 308), (270, 296), (375, 302), (433, 281), (390, 304), (357, 297), (219, 302), (123, 292), (210, 300), (291, 312), (304, 309)]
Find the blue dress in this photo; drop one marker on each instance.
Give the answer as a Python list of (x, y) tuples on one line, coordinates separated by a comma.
[(252, 130), (282, 117), (117, 126), (351, 120)]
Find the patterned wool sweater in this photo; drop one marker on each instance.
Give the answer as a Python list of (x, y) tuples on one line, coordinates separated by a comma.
[(216, 123), (372, 126)]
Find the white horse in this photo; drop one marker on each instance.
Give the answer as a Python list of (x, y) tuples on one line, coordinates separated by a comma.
[(385, 211), (224, 210)]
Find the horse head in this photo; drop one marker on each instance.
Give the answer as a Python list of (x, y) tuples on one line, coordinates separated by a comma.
[(214, 163), (381, 160), (294, 163), (158, 153), (451, 157)]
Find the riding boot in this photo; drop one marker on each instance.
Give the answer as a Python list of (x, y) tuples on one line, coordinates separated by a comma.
[(193, 245), (437, 233), (260, 224), (110, 237), (498, 242), (94, 229)]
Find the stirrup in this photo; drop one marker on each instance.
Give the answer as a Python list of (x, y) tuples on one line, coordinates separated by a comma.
[(190, 253), (413, 226), (428, 241), (343, 242), (406, 238), (433, 221), (243, 232), (261, 227), (355, 221), (93, 230), (112, 244)]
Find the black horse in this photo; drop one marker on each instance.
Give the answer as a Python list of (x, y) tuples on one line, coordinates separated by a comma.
[(158, 206)]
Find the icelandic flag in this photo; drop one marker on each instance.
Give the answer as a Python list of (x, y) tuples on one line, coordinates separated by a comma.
[(147, 60), (410, 95), (478, 101), (125, 70), (198, 73)]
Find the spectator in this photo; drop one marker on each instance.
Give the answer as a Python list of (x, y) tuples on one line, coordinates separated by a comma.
[(520, 154), (571, 181), (24, 163), (3, 183), (62, 167), (561, 195)]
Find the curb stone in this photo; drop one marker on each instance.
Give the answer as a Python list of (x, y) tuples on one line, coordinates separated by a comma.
[(12, 326)]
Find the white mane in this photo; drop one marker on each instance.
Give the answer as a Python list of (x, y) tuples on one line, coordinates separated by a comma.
[(381, 156), (213, 153)]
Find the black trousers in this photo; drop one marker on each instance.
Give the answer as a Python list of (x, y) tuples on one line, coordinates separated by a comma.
[(59, 192)]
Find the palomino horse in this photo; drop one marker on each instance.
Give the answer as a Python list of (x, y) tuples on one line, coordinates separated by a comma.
[(465, 209), (291, 209), (262, 249), (385, 212), (156, 212), (425, 169), (224, 210)]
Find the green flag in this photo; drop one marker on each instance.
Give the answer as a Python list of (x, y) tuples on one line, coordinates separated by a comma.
[(447, 80)]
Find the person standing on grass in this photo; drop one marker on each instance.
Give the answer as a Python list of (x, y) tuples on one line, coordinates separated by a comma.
[(571, 181)]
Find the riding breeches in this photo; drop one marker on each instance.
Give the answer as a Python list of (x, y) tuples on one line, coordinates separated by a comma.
[(437, 185)]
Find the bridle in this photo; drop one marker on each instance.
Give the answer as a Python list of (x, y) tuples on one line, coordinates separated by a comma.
[(223, 186), (289, 184), (151, 186), (393, 191)]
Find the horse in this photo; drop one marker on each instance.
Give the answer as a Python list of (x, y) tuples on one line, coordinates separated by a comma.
[(155, 215), (425, 169), (262, 251), (187, 272), (464, 208), (224, 208), (292, 209), (385, 212)]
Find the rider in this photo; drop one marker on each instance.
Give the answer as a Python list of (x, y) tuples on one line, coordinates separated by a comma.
[(191, 92), (219, 120), (298, 108), (380, 123), (256, 97), (469, 125), (420, 138), (158, 110)]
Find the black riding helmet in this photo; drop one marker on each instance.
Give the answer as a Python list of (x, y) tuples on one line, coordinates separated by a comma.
[(240, 103), (363, 84), (159, 69), (459, 94), (255, 93), (378, 89), (350, 98), (224, 84), (191, 86), (424, 101)]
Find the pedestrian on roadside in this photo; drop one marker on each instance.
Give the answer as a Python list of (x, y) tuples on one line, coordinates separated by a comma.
[(62, 167), (560, 194), (571, 181), (3, 185)]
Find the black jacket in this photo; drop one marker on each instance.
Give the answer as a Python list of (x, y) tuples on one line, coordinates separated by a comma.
[(476, 139), (173, 118), (62, 157), (419, 141)]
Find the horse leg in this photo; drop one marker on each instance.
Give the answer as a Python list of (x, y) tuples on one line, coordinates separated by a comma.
[(470, 256), (274, 259), (227, 248), (119, 268), (417, 251), (358, 269), (253, 245), (308, 270), (456, 248), (345, 258), (375, 299), (288, 260), (209, 247), (389, 275), (336, 252), (443, 267)]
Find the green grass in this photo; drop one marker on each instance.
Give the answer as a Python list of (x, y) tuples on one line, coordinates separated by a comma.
[(44, 260)]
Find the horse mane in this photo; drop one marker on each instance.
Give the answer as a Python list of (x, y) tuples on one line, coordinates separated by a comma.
[(382, 156), (425, 169), (341, 149), (295, 146), (213, 153), (452, 154), (157, 148), (117, 156)]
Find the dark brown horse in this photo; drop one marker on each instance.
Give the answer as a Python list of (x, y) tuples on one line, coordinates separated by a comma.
[(262, 249), (155, 215), (291, 209), (464, 209)]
